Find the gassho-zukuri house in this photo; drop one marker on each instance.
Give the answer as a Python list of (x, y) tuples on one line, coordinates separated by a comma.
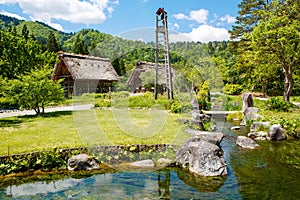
[(135, 82), (84, 74)]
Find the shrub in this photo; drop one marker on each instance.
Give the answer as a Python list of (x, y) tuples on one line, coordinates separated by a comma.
[(278, 104), (233, 116), (183, 107), (175, 107), (233, 103), (232, 89), (102, 103)]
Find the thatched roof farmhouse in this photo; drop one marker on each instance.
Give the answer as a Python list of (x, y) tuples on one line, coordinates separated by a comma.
[(84, 74), (135, 82)]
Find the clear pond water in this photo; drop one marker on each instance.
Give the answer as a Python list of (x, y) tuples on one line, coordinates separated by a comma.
[(270, 172)]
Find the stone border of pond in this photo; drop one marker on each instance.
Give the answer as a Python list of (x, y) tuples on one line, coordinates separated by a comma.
[(57, 158)]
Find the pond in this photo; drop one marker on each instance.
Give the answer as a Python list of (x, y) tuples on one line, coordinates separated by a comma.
[(270, 172)]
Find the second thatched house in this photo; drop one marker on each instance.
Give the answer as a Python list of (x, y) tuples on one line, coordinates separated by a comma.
[(143, 74), (84, 74)]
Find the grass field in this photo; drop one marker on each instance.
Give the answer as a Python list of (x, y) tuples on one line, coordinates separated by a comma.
[(89, 128)]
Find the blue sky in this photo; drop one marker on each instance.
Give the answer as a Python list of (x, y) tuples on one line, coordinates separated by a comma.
[(192, 20)]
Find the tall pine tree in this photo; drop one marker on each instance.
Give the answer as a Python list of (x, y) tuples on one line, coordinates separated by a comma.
[(52, 44)]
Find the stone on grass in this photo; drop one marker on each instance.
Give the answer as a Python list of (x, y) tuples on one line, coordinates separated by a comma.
[(276, 133), (201, 157), (246, 142), (142, 163), (82, 162), (164, 162)]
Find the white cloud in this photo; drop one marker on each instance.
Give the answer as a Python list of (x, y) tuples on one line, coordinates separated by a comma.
[(12, 15), (176, 26), (8, 1), (75, 11), (180, 16), (227, 18), (199, 16), (204, 33)]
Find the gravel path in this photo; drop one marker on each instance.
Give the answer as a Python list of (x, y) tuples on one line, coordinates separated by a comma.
[(14, 113)]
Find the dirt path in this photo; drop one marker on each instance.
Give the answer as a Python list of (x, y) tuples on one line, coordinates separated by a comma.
[(14, 113)]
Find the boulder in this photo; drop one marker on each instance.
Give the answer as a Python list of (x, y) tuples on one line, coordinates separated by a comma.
[(247, 101), (195, 104), (251, 114), (276, 133), (201, 157), (255, 125), (212, 137), (142, 163), (261, 135), (164, 162), (246, 142), (82, 162)]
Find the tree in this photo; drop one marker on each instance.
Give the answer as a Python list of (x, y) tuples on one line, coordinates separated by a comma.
[(25, 32), (249, 16), (80, 46), (52, 45), (19, 56), (277, 37), (36, 90)]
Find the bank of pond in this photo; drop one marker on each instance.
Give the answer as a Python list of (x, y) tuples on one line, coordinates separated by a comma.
[(271, 171)]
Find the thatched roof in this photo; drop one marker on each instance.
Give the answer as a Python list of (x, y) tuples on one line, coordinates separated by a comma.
[(141, 67), (83, 67)]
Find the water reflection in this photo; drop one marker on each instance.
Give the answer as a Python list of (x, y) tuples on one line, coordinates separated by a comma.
[(163, 184)]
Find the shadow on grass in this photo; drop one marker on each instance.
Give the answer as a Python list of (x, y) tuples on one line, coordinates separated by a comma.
[(16, 121)]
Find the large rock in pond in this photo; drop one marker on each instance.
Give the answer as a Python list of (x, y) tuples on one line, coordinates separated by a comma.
[(246, 142), (212, 137), (276, 133), (201, 157), (82, 162)]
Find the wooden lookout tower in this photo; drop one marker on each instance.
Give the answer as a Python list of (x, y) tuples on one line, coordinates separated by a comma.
[(162, 55)]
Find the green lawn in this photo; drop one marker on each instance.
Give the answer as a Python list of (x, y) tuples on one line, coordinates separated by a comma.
[(89, 128)]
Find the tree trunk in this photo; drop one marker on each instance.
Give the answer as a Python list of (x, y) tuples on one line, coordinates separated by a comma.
[(288, 86)]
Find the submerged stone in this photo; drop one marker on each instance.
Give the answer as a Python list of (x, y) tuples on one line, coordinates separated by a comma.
[(246, 142)]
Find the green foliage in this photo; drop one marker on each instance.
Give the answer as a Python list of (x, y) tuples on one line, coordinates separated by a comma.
[(175, 107), (278, 104), (36, 90), (233, 103), (52, 44), (80, 47), (234, 116), (44, 160), (232, 89), (183, 107), (19, 56), (203, 96), (275, 40)]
